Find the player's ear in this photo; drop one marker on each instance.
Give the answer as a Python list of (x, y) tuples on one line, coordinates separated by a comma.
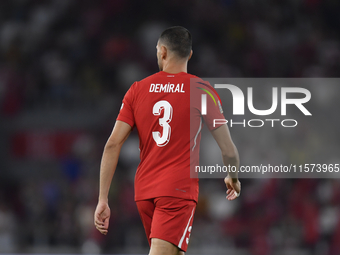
[(164, 52), (190, 55)]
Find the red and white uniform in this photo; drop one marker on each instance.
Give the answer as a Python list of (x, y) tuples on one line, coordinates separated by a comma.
[(168, 121)]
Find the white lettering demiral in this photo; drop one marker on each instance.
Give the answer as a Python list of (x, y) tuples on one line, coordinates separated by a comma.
[(261, 112), (238, 97), (297, 101), (152, 87), (166, 88)]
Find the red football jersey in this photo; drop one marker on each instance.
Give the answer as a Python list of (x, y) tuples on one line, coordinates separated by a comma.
[(169, 128)]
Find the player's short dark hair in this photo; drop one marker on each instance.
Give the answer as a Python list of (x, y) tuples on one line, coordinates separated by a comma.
[(177, 39)]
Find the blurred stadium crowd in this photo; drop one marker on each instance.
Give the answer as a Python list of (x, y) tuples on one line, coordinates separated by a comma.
[(64, 68)]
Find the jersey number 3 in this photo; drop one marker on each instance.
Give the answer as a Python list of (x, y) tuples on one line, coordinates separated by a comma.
[(162, 139)]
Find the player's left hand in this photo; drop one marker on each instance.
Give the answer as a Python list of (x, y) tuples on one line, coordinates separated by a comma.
[(233, 188), (102, 217)]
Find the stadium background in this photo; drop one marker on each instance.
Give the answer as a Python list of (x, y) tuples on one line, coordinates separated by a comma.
[(64, 68)]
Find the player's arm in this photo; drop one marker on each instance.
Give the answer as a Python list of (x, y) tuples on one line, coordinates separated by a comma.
[(230, 157), (108, 166)]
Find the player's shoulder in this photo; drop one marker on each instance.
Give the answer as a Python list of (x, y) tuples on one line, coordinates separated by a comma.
[(192, 76), (199, 86), (199, 83)]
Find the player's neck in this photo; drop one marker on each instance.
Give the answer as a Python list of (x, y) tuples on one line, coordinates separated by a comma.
[(174, 67)]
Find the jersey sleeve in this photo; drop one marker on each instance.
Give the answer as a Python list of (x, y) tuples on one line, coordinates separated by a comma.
[(126, 113), (214, 110), (213, 105)]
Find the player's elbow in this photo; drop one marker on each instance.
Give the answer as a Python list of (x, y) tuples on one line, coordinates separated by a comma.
[(113, 144), (230, 154)]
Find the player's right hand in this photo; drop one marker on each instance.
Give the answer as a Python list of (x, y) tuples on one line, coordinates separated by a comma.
[(102, 217), (233, 188)]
